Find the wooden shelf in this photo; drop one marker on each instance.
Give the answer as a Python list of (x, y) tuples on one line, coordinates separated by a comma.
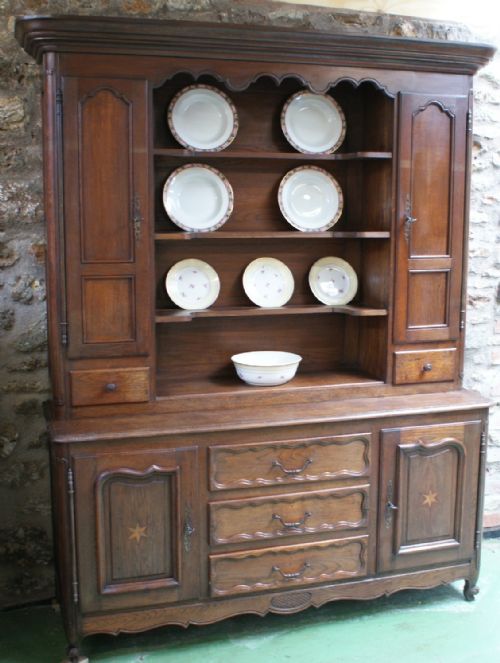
[(255, 154), (297, 234), (167, 386), (167, 316)]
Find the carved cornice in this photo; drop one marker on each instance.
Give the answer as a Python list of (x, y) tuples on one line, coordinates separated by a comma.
[(73, 34)]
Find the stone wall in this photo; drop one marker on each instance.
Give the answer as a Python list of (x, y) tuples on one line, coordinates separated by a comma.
[(26, 565)]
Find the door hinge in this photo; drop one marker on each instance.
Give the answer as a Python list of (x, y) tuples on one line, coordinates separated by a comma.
[(483, 442), (469, 121), (64, 333), (462, 320), (59, 102), (74, 568)]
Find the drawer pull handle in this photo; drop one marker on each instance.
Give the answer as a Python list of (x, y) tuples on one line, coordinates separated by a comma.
[(293, 471), (427, 367), (111, 386), (293, 575), (296, 525)]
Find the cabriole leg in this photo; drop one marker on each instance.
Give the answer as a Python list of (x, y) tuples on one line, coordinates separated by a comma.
[(470, 590)]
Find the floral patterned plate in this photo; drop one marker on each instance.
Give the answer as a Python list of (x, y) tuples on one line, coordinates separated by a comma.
[(268, 282), (192, 284)]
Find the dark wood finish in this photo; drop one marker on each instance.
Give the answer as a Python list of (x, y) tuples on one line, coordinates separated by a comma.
[(424, 365), (431, 204), (427, 492), (181, 494), (279, 516), (270, 464), (106, 214), (287, 566), (133, 549), (118, 385)]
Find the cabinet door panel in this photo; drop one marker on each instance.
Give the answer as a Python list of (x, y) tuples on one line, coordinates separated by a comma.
[(428, 496), (106, 211), (136, 521), (432, 150)]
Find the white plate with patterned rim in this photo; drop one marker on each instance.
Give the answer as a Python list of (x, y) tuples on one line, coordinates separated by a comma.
[(310, 199), (333, 281), (198, 198), (268, 282), (313, 123), (192, 284), (202, 118)]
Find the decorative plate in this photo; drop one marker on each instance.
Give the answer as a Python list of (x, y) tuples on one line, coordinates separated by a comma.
[(310, 199), (202, 118), (192, 284), (198, 198), (268, 282), (313, 123), (333, 281)]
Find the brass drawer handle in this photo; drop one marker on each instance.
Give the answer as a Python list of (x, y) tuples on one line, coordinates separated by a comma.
[(427, 367), (292, 575), (293, 471), (295, 525), (111, 386)]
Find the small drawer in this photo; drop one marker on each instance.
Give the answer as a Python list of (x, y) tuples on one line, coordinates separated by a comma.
[(411, 366), (271, 463), (232, 521), (114, 385), (288, 566)]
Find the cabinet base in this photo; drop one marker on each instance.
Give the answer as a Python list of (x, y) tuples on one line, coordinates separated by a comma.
[(203, 613)]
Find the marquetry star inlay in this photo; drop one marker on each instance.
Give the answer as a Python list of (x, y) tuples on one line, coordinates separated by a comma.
[(137, 533), (429, 499)]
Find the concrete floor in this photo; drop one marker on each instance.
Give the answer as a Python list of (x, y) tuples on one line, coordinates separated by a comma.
[(432, 626)]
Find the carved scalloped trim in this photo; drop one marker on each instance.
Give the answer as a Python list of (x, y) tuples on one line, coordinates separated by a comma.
[(375, 588), (241, 85), (364, 438), (323, 527), (449, 109)]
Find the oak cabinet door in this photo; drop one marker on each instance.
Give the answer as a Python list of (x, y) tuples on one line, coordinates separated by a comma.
[(105, 138), (137, 528), (431, 201), (428, 494)]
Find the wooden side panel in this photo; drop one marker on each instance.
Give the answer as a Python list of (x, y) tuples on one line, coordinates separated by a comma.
[(106, 206), (428, 494), (137, 528), (108, 309), (137, 524), (431, 204), (106, 149), (265, 464)]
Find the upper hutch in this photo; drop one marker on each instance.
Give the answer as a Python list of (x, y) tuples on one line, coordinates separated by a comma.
[(183, 495)]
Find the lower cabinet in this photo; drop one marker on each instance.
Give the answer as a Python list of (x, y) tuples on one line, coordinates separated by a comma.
[(136, 518), (428, 494), (215, 528)]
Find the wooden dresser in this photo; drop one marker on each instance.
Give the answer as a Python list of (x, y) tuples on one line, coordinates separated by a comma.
[(181, 494)]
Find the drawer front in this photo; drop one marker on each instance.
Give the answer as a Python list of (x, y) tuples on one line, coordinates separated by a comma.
[(287, 515), (287, 462), (412, 366), (102, 387), (288, 566)]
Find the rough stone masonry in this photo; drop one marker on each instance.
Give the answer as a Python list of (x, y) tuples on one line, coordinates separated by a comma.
[(26, 563)]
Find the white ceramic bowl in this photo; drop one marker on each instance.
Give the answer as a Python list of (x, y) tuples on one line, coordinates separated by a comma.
[(266, 368)]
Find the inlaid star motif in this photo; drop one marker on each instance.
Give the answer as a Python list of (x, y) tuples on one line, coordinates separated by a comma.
[(137, 533), (429, 499)]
